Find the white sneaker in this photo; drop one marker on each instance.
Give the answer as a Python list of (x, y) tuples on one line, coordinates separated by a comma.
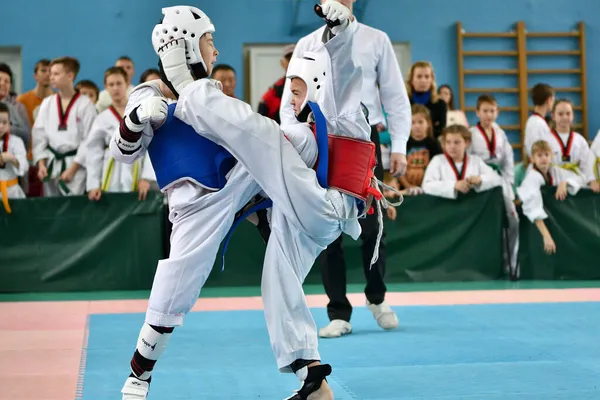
[(135, 389), (384, 315), (336, 328)]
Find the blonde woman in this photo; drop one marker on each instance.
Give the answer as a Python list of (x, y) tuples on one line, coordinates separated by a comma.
[(422, 89)]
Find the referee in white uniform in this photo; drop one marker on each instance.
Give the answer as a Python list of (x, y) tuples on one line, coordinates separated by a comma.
[(382, 85)]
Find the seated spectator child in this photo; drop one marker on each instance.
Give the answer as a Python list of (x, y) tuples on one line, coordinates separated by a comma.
[(574, 149), (103, 173), (13, 161), (420, 149), (455, 171), (490, 143), (544, 173)]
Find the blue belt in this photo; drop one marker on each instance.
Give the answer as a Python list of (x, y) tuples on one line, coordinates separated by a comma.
[(261, 205)]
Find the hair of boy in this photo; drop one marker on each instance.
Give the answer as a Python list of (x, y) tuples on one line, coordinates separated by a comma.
[(44, 62), (70, 64), (539, 146), (147, 73), (125, 58), (86, 83), (115, 71), (486, 99), (222, 67), (540, 93)]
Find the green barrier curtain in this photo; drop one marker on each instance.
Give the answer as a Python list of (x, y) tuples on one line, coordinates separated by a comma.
[(432, 239), (575, 228), (73, 244)]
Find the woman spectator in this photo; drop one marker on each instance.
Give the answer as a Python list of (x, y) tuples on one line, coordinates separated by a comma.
[(422, 89)]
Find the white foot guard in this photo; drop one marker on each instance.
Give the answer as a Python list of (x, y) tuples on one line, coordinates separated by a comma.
[(135, 389), (384, 315), (335, 329)]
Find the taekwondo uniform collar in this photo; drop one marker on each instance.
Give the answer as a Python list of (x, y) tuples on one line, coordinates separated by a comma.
[(354, 24)]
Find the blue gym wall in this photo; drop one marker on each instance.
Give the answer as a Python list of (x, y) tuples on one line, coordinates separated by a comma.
[(97, 32)]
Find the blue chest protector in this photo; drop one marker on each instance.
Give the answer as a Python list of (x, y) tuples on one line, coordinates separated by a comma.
[(178, 152)]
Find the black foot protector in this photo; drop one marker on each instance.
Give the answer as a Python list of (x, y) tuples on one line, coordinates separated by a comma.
[(316, 376)]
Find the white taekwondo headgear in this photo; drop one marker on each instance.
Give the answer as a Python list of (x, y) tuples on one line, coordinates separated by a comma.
[(311, 68), (186, 22)]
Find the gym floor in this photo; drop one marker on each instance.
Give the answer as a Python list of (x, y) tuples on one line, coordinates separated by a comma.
[(484, 340)]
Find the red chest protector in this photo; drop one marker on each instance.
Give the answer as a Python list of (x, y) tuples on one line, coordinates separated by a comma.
[(350, 166)]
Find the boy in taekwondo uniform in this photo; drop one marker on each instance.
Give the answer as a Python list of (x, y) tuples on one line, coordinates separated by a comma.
[(61, 127), (306, 216), (104, 174)]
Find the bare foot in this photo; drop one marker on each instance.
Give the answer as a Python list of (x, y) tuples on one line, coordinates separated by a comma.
[(324, 393)]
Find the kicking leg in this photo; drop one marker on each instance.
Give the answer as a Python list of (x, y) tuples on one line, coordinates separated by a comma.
[(292, 329), (260, 145)]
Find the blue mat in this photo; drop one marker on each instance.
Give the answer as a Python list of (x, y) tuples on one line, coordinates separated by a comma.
[(520, 351)]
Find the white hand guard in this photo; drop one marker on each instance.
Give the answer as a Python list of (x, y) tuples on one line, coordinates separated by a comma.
[(151, 110), (174, 62), (334, 11)]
